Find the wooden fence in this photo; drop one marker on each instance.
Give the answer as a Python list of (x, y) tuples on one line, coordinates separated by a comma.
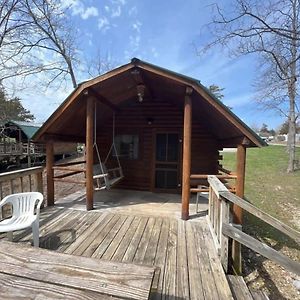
[(24, 180), (19, 149), (220, 222)]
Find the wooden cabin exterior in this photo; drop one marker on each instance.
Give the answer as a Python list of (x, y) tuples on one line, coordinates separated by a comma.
[(168, 130)]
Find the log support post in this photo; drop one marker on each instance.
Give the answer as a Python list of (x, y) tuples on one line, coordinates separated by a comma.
[(186, 158), (237, 211), (89, 153), (50, 173)]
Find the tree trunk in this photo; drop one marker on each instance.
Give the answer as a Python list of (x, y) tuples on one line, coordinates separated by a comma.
[(71, 71), (292, 91), (291, 142)]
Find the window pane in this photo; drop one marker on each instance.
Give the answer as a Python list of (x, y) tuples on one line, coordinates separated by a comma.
[(160, 179), (127, 146), (171, 179), (161, 147), (172, 147)]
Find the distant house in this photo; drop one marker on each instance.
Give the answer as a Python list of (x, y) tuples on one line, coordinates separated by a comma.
[(21, 131), (16, 143)]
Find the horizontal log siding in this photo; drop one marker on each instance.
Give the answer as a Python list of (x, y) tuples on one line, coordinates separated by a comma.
[(166, 118)]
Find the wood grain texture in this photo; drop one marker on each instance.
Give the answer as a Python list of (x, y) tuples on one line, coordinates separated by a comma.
[(50, 173), (122, 280), (186, 157), (189, 267), (284, 228), (89, 153), (239, 288), (261, 248)]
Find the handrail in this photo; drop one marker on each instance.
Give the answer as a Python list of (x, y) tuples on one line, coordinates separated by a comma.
[(292, 233), (220, 176), (219, 222), (261, 248), (19, 173)]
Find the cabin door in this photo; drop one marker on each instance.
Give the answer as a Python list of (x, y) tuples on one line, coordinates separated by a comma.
[(167, 150)]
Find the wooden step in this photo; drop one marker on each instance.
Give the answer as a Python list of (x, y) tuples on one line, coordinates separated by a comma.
[(240, 289)]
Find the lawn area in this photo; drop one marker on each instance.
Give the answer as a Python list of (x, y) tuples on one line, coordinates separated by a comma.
[(268, 186)]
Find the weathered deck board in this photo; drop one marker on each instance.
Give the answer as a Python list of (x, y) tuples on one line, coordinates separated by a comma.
[(18, 288), (189, 265), (169, 285), (182, 266), (195, 280), (126, 281), (121, 250)]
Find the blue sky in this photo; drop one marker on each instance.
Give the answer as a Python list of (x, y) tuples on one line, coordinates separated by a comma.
[(165, 33)]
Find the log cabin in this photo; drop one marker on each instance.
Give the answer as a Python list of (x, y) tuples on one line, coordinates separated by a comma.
[(165, 129)]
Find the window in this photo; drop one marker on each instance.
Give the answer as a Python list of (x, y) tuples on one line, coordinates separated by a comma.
[(127, 146)]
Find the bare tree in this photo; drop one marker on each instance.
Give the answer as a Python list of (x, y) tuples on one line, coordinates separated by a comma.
[(271, 30), (52, 34), (37, 37), (99, 64), (13, 29)]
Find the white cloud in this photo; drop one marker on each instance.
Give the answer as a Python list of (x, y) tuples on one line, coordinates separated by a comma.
[(132, 11), (116, 12), (134, 42), (137, 26), (91, 11), (107, 8), (103, 24), (120, 2), (78, 8)]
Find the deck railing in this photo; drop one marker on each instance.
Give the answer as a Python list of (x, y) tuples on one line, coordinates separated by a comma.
[(220, 221), (24, 180), (225, 176), (10, 149), (18, 149)]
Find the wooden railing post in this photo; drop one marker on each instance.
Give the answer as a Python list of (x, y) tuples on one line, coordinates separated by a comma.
[(237, 211), (218, 214), (50, 173), (224, 219), (186, 158), (39, 182), (89, 152)]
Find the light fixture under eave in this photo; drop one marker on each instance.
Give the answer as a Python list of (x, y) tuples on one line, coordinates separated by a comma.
[(140, 92)]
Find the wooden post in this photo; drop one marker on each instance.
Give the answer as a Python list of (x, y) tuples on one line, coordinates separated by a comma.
[(238, 211), (50, 173), (240, 182), (89, 152), (186, 159), (39, 182)]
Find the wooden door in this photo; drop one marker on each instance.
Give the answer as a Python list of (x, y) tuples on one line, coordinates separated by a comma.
[(166, 162)]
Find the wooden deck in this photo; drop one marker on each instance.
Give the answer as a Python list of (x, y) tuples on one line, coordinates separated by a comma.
[(184, 251)]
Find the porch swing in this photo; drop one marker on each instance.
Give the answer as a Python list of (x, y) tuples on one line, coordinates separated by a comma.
[(104, 177)]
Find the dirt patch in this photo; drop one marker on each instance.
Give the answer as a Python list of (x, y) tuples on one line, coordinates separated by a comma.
[(263, 274)]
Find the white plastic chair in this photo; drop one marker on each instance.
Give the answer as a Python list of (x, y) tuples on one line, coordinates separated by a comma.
[(25, 213)]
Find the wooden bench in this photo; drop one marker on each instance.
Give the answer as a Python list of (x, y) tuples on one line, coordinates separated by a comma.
[(27, 272)]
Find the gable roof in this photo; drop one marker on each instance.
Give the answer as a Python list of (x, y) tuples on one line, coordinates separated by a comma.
[(28, 128), (120, 84)]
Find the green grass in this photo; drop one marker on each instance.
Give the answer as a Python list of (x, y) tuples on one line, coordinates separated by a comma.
[(268, 186), (271, 189)]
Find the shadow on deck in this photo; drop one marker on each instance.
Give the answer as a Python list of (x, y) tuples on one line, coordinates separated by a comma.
[(136, 202), (184, 251)]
